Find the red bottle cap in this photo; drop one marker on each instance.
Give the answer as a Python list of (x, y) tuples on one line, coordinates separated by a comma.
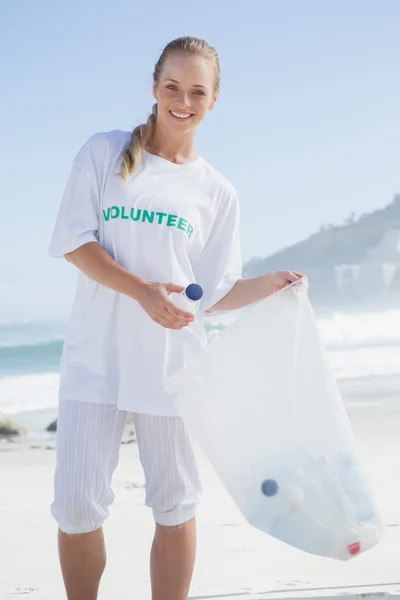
[(354, 548)]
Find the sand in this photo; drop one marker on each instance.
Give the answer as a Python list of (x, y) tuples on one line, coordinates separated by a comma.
[(235, 561)]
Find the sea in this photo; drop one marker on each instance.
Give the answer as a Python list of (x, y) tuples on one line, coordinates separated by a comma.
[(363, 349)]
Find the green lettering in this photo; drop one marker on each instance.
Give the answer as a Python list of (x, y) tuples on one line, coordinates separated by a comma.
[(171, 220), (132, 214), (189, 230), (116, 209), (160, 216), (182, 224), (148, 216), (123, 215), (107, 214)]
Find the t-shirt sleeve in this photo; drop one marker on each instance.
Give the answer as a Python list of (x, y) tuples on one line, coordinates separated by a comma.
[(77, 221), (219, 266)]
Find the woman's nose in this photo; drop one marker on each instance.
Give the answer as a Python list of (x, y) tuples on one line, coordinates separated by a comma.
[(184, 99)]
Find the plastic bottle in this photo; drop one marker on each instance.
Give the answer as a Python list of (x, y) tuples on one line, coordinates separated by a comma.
[(188, 299), (301, 499)]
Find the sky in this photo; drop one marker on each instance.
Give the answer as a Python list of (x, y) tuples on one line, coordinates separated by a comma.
[(307, 125)]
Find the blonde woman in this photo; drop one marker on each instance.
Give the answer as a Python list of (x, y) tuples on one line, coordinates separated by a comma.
[(142, 216)]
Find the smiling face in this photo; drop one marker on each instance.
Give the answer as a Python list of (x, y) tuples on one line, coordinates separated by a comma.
[(185, 91)]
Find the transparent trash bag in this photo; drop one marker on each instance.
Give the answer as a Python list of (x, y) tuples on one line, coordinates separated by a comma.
[(263, 404)]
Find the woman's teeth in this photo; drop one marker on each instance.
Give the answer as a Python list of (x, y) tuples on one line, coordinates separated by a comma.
[(180, 115)]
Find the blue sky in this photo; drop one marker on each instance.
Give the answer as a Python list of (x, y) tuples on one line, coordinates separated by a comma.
[(307, 125)]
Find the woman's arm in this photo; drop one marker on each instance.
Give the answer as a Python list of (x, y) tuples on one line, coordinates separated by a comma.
[(96, 263), (247, 291)]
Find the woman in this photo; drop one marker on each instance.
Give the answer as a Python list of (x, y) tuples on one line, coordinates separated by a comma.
[(142, 216)]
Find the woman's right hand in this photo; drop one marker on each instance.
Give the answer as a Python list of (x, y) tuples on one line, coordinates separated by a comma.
[(154, 299), (99, 265)]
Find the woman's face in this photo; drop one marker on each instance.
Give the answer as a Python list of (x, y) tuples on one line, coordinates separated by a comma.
[(185, 91)]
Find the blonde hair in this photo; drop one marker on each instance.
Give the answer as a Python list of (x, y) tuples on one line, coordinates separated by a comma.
[(142, 134)]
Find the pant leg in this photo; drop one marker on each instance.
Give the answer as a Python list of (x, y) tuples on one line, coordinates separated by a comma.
[(88, 441), (172, 482)]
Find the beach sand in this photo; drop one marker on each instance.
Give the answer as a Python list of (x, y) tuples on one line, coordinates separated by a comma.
[(235, 561)]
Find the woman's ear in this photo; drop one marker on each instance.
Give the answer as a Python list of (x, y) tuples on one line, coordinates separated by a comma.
[(155, 91), (212, 103)]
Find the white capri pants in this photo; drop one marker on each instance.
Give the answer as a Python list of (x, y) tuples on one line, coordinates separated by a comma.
[(88, 441)]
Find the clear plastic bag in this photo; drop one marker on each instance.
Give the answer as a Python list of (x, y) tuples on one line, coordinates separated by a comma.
[(264, 406)]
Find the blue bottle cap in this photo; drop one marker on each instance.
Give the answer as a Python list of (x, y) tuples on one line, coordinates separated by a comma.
[(194, 292), (269, 487)]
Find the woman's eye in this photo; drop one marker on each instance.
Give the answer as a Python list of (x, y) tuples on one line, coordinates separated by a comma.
[(174, 88)]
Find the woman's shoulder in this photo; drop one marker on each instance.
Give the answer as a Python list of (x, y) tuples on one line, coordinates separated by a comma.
[(115, 137), (219, 182), (102, 146)]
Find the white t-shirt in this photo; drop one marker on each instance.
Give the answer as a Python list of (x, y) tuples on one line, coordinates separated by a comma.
[(170, 223)]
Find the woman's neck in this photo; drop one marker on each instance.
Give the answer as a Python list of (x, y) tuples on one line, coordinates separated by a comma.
[(178, 150)]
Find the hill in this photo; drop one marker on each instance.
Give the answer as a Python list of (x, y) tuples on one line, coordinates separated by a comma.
[(345, 262)]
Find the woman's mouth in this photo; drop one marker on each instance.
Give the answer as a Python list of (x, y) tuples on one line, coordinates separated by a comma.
[(182, 116)]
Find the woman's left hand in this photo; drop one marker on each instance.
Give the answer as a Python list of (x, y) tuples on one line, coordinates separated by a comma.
[(280, 279), (247, 291)]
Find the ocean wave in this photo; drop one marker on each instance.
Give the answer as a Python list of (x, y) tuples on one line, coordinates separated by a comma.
[(365, 362), (28, 392), (374, 329), (341, 330)]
